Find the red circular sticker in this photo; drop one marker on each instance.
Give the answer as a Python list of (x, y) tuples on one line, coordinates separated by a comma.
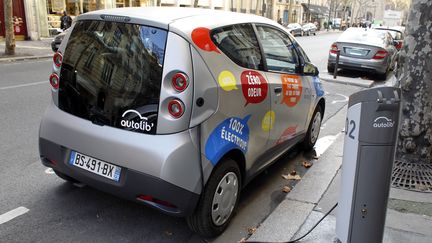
[(254, 87), (292, 89), (201, 38)]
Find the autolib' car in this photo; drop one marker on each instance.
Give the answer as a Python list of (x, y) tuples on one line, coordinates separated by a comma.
[(364, 49), (309, 29), (177, 108)]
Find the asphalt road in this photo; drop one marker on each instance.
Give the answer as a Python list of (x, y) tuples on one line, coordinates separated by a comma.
[(51, 210)]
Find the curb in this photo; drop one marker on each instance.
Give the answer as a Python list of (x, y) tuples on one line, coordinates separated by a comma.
[(13, 59), (290, 215), (350, 81)]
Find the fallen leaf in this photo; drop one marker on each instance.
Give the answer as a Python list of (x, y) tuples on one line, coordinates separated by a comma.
[(242, 240), (291, 177), (307, 164), (168, 232), (251, 230), (286, 189), (293, 172)]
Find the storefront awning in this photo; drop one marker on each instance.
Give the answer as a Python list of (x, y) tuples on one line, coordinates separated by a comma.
[(316, 9)]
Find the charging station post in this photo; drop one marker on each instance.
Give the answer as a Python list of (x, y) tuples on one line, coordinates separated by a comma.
[(369, 147)]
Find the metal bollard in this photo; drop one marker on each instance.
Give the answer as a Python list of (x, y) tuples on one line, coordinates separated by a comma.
[(336, 64)]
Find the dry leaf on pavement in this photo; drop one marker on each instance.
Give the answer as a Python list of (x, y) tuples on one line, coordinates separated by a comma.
[(168, 232), (307, 164), (251, 230), (291, 177), (242, 240), (293, 172), (286, 189)]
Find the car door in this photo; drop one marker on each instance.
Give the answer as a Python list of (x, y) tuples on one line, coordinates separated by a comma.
[(290, 93)]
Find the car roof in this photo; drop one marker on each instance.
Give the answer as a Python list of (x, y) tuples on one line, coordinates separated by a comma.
[(164, 16)]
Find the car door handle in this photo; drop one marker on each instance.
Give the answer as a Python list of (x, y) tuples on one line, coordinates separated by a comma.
[(278, 90)]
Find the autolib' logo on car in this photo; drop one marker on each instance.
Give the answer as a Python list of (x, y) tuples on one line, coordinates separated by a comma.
[(383, 122), (143, 123)]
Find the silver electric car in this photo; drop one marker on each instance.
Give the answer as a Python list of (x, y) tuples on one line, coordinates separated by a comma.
[(177, 108)]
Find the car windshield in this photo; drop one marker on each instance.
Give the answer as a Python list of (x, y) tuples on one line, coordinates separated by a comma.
[(367, 36)]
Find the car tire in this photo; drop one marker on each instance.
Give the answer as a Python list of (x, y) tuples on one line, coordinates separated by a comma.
[(314, 33), (330, 68), (313, 129), (308, 33), (65, 177), (218, 201)]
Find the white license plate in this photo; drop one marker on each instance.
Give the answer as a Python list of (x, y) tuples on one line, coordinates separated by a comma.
[(96, 166)]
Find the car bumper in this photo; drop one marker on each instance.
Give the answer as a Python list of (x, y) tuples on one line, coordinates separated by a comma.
[(165, 167), (368, 65)]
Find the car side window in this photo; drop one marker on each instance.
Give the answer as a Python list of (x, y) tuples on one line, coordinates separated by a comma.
[(240, 44), (279, 51)]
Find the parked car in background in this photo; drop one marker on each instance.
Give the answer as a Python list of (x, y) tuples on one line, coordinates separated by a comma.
[(363, 49), (55, 43), (176, 108), (295, 29), (397, 32), (309, 29)]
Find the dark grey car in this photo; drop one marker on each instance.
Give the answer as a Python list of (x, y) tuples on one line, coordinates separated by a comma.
[(367, 50)]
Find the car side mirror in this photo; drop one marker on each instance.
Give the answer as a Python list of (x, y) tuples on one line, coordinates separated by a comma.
[(310, 70)]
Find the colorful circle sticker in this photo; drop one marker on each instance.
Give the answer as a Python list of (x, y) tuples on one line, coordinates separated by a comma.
[(292, 89), (227, 81), (254, 87), (201, 38), (268, 121), (288, 133)]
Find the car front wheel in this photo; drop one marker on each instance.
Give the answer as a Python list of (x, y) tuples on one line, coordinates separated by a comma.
[(313, 129), (218, 200)]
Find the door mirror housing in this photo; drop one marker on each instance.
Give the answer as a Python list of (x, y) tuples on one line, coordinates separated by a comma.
[(310, 70)]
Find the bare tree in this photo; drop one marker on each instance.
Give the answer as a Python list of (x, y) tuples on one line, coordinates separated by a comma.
[(98, 4), (196, 3), (414, 144), (10, 36)]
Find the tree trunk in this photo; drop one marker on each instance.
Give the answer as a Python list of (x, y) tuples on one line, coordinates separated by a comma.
[(10, 36), (195, 3), (414, 144)]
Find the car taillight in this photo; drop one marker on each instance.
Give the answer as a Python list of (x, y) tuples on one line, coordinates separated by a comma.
[(54, 80), (380, 54), (58, 59), (179, 82), (176, 108), (333, 48)]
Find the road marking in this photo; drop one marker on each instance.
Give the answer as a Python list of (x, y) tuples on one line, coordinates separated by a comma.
[(31, 47), (345, 99), (13, 214), (324, 143), (23, 85)]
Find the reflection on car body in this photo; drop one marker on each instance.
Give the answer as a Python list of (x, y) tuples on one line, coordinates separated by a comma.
[(178, 108)]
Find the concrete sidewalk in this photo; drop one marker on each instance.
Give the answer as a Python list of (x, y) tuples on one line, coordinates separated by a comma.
[(27, 50), (409, 214)]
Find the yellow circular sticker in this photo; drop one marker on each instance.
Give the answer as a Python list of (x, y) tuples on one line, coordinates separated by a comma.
[(268, 121), (227, 81)]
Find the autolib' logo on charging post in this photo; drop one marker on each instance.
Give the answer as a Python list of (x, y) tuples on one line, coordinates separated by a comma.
[(383, 122), (142, 124)]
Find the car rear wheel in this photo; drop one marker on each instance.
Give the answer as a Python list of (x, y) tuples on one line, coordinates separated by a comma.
[(313, 129), (218, 200)]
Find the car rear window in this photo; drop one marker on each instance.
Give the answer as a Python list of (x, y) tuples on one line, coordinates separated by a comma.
[(365, 36), (111, 74), (240, 44)]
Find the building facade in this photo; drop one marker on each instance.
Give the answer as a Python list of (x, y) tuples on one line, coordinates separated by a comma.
[(41, 18)]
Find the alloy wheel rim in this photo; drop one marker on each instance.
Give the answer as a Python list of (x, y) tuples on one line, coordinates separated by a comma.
[(316, 126), (224, 198)]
